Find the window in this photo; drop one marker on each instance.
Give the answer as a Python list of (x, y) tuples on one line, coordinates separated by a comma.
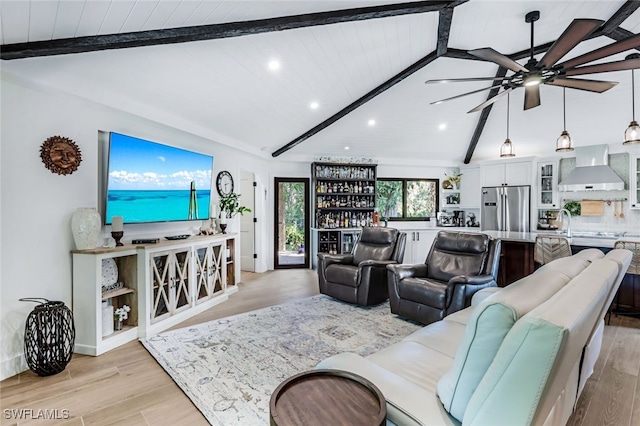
[(407, 199)]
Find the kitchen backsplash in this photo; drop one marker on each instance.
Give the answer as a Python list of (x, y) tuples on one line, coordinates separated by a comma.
[(610, 221)]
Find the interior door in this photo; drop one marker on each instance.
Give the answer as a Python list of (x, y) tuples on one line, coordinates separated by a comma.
[(247, 223), (291, 223)]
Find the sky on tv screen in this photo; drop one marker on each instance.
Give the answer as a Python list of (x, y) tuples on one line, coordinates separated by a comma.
[(151, 182)]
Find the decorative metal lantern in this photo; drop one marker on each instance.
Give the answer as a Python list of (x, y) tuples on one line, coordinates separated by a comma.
[(49, 336)]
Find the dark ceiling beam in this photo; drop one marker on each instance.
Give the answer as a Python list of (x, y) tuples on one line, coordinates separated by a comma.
[(364, 99), (482, 121), (215, 31), (620, 16), (620, 34), (445, 17), (461, 54)]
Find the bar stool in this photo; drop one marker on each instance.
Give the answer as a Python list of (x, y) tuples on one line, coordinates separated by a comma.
[(633, 271), (550, 247)]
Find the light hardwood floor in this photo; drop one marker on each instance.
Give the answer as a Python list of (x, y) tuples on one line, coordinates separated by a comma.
[(127, 387)]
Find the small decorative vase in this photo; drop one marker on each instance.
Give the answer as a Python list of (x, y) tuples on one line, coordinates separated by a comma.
[(85, 225), (118, 325), (107, 315)]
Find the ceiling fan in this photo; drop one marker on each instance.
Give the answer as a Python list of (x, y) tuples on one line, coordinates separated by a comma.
[(546, 71)]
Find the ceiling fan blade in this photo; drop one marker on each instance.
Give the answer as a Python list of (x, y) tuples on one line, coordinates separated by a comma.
[(626, 64), (456, 80), (531, 96), (577, 31), (488, 54), (598, 86), (464, 94), (491, 100), (632, 42)]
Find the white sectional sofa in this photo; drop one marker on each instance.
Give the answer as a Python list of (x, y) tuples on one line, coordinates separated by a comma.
[(518, 356)]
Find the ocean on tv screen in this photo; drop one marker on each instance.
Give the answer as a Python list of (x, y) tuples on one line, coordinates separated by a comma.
[(140, 206)]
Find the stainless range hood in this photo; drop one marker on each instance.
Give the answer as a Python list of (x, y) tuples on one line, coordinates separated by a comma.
[(592, 172)]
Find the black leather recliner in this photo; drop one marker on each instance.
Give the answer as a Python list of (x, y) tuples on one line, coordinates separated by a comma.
[(361, 277), (458, 265)]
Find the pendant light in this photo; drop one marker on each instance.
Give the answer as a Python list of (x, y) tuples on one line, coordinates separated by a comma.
[(632, 134), (506, 150), (564, 142)]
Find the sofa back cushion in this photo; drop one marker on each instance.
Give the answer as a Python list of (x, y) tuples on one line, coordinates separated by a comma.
[(533, 366), (488, 325), (375, 244), (457, 253), (572, 266)]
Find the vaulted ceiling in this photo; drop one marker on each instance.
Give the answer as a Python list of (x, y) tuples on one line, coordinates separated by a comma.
[(356, 70)]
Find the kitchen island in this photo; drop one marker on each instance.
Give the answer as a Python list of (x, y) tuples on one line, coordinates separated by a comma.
[(516, 259)]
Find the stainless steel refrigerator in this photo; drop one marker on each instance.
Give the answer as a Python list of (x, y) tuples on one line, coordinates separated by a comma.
[(506, 208)]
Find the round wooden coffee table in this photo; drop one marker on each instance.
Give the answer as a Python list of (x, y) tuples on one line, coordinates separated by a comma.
[(327, 397)]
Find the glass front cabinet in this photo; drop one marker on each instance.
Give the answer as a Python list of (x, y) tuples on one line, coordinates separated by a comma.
[(170, 282), (634, 182), (548, 185)]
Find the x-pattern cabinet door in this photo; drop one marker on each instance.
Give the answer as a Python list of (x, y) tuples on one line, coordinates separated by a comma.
[(181, 294), (170, 283), (209, 270)]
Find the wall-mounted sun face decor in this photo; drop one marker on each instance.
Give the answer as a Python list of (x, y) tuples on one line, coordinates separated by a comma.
[(60, 155)]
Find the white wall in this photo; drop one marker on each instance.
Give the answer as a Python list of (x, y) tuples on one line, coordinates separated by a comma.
[(37, 205)]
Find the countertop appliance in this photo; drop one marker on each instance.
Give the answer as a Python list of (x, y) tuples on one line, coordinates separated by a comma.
[(446, 218), (506, 208)]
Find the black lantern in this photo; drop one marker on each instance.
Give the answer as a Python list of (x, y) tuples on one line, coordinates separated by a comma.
[(49, 336)]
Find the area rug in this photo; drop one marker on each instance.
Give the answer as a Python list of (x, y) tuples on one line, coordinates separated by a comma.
[(230, 367)]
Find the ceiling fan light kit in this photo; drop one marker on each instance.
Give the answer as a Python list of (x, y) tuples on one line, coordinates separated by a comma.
[(632, 134), (547, 70)]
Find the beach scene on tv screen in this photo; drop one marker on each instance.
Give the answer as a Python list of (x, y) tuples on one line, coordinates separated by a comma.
[(152, 182)]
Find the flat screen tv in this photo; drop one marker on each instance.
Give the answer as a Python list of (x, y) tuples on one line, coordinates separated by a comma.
[(150, 182)]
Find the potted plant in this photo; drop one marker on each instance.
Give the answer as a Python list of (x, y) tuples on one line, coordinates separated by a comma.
[(453, 180), (229, 206), (120, 315)]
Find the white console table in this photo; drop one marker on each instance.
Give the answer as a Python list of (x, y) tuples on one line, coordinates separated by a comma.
[(164, 284)]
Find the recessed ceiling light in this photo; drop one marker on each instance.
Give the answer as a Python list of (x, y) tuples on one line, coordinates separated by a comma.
[(274, 65), (314, 105), (346, 147), (442, 126), (371, 122)]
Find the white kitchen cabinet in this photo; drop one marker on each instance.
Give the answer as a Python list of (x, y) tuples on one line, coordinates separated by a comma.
[(470, 188), (419, 243), (509, 173), (634, 182), (547, 185)]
